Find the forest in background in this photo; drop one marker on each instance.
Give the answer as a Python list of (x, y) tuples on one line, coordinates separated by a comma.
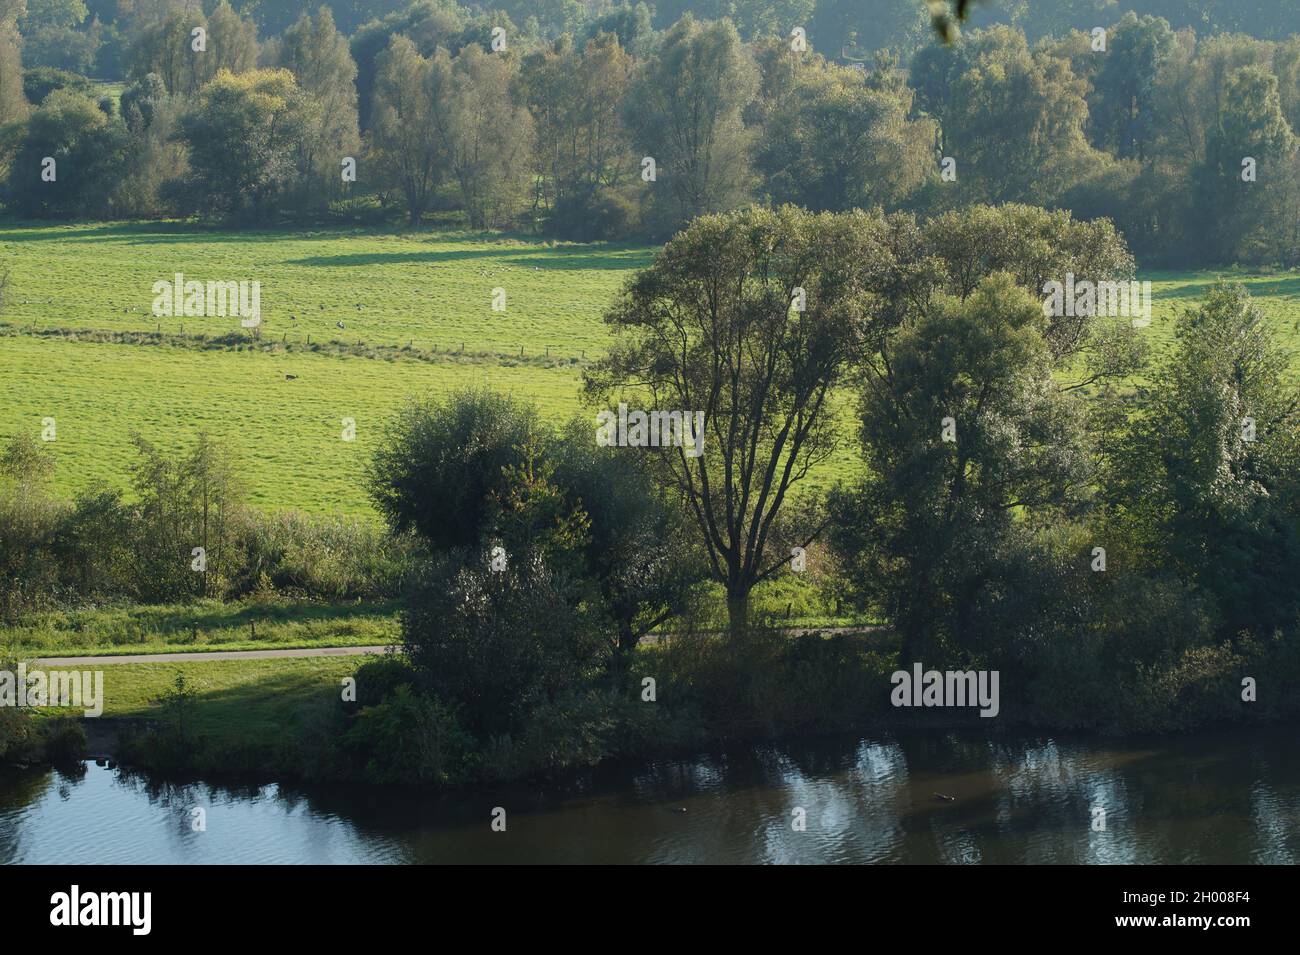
[(592, 121)]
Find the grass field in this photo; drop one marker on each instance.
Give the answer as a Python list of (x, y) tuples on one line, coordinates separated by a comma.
[(430, 288), (285, 435), (416, 291)]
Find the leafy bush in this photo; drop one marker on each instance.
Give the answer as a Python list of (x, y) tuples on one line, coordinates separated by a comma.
[(378, 678), (41, 81), (441, 462), (18, 736), (768, 683), (607, 214), (409, 738), (331, 557), (63, 739), (572, 730), (499, 644)]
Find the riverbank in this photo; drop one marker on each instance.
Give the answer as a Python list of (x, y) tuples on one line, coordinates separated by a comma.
[(302, 719)]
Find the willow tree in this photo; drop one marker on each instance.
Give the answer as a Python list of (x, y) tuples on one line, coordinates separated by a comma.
[(750, 319), (685, 109), (410, 121), (317, 55), (13, 105)]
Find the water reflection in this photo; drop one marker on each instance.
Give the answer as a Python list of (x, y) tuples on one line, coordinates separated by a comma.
[(1213, 799)]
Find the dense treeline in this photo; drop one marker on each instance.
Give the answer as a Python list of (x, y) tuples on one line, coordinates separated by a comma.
[(601, 121), (86, 35)]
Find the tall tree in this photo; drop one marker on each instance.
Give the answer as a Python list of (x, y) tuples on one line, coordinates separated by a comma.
[(833, 142), (1205, 480), (166, 46), (318, 56), (1014, 121), (491, 137), (428, 24), (963, 429), (13, 105), (244, 133), (1249, 156), (710, 329), (88, 149), (685, 111), (1122, 105), (575, 97), (411, 121)]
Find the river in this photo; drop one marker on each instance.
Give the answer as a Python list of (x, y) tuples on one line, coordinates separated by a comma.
[(1231, 797)]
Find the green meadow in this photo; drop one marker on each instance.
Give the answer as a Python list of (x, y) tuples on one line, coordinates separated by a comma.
[(79, 343), (433, 289)]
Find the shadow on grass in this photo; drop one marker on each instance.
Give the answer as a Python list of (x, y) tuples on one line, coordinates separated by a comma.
[(541, 257), (503, 250), (1259, 286), (258, 710), (168, 233), (523, 251)]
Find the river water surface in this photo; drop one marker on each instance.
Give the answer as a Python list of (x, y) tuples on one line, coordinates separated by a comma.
[(1222, 798)]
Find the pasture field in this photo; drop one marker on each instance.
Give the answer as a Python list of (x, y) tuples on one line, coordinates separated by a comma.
[(279, 404), (286, 435), (386, 289)]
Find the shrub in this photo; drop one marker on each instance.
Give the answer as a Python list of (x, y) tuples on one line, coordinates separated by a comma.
[(18, 736), (606, 214), (410, 738), (441, 461), (498, 644), (331, 557), (41, 81), (379, 678), (767, 683), (572, 730)]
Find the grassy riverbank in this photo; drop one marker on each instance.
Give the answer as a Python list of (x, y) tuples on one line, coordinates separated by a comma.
[(288, 718)]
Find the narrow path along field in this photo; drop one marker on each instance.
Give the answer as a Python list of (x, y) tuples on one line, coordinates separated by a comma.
[(207, 656), (201, 656)]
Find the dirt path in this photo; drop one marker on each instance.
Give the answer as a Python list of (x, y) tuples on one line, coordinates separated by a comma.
[(331, 651), (207, 655)]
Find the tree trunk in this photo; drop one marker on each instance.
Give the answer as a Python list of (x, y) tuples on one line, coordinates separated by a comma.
[(622, 662), (737, 612)]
